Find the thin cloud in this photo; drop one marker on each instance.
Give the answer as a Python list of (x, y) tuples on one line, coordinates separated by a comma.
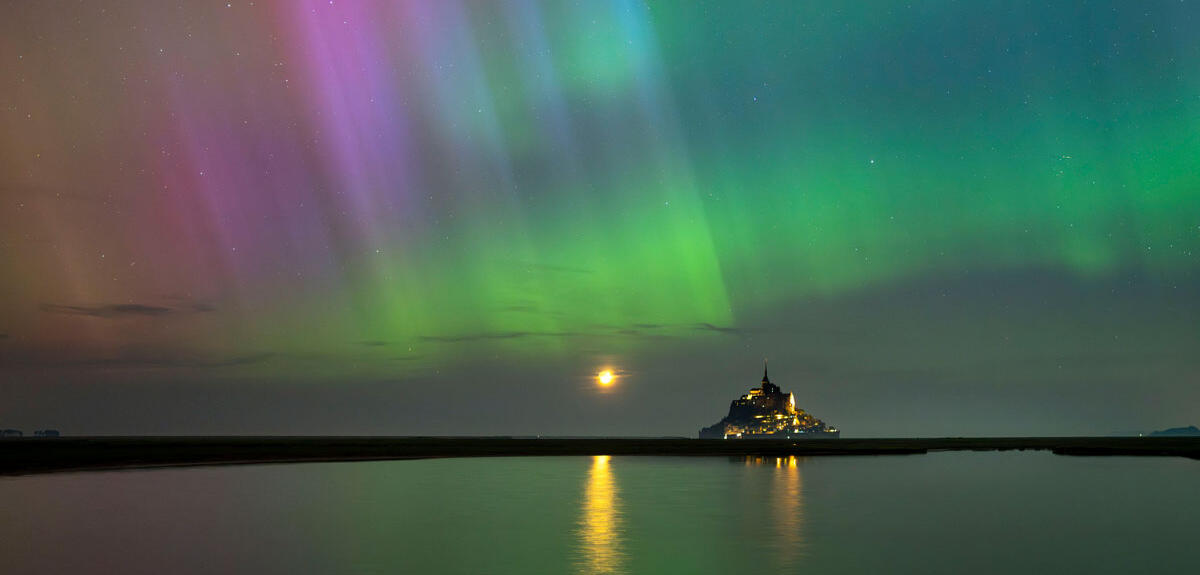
[(637, 330), (501, 335), (475, 336), (108, 311), (180, 361), (122, 310), (717, 328), (141, 360), (601, 332)]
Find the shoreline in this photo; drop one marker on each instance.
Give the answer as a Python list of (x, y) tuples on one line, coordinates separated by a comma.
[(36, 455)]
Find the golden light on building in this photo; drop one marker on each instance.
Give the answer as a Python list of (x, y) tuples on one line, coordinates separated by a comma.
[(600, 524)]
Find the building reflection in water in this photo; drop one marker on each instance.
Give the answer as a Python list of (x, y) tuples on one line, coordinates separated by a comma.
[(787, 507), (600, 525)]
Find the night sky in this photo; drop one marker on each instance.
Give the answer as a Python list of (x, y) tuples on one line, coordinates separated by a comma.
[(935, 218)]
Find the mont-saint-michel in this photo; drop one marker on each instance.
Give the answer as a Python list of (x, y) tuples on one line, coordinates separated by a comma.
[(766, 412)]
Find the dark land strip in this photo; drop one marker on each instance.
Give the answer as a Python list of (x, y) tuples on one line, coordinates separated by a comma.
[(22, 456)]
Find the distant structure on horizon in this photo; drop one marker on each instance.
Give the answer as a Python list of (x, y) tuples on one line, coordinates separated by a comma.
[(766, 412), (38, 433), (1189, 431)]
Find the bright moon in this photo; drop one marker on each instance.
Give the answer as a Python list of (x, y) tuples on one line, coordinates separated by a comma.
[(605, 377)]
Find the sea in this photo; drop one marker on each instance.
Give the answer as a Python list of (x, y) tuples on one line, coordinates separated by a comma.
[(953, 512)]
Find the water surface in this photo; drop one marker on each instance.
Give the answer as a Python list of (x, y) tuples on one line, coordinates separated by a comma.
[(937, 513)]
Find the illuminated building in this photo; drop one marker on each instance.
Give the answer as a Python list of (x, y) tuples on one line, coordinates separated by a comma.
[(766, 412)]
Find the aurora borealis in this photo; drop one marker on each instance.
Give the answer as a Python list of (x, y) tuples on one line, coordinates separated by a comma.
[(444, 217)]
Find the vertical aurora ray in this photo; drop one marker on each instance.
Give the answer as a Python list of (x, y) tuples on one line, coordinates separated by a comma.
[(503, 261)]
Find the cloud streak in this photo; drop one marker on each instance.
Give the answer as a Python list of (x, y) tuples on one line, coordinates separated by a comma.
[(123, 310), (718, 329), (637, 330), (179, 362), (485, 336), (144, 359)]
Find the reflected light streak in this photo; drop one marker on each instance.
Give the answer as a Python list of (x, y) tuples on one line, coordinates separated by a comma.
[(788, 506), (786, 509), (600, 524)]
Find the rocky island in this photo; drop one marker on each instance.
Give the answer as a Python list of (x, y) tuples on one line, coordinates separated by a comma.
[(1189, 431), (766, 412)]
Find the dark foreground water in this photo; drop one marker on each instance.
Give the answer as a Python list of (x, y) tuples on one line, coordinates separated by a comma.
[(937, 513)]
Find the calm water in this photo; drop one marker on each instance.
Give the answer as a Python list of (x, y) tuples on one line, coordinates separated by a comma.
[(938, 513)]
